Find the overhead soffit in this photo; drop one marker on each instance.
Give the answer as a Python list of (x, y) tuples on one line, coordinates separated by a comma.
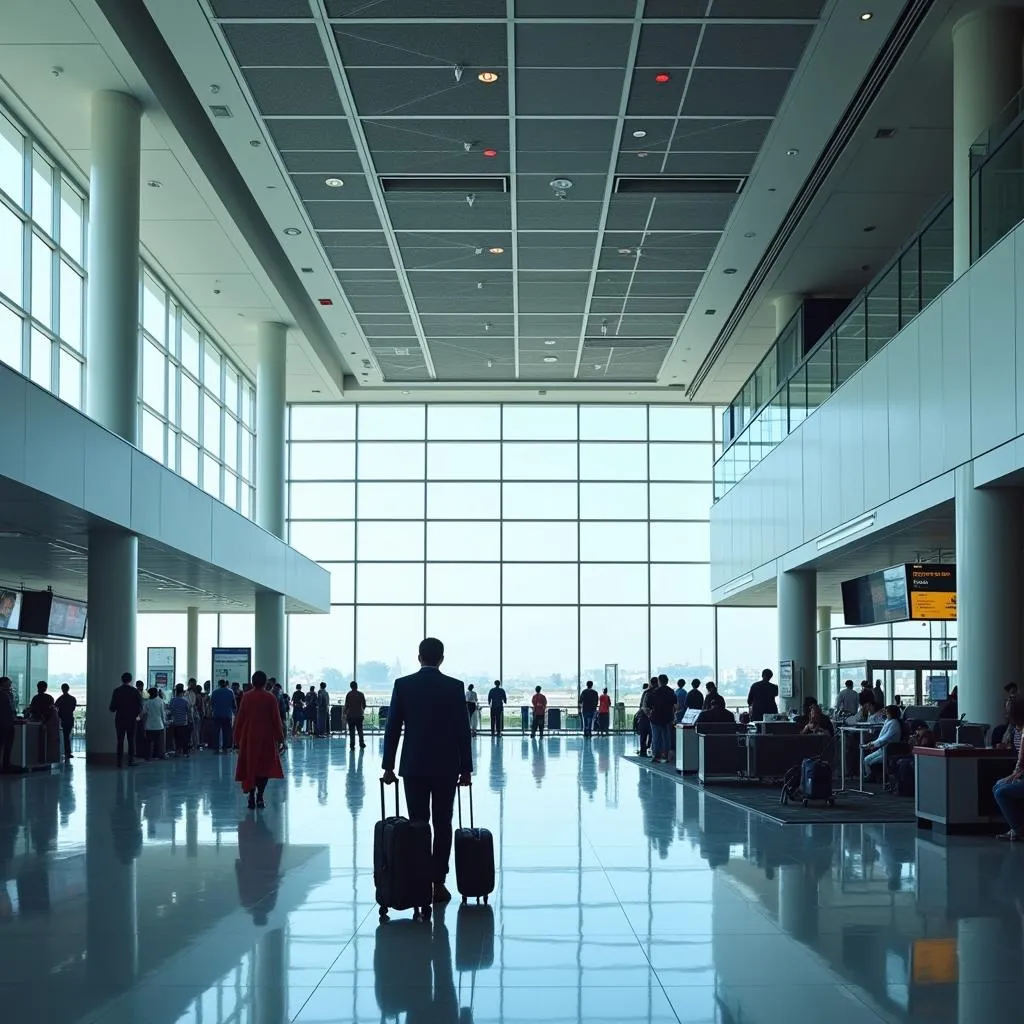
[(588, 285)]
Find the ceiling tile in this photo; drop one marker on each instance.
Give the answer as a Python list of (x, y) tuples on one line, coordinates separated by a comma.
[(422, 44), (753, 46), (328, 163), (667, 46), (327, 216), (566, 46), (585, 187), (424, 91), (447, 213), (762, 8), (735, 93), (586, 9), (307, 133), (306, 91), (476, 9), (314, 186), (555, 215), (432, 135), (275, 45), (570, 91), (260, 8), (447, 325)]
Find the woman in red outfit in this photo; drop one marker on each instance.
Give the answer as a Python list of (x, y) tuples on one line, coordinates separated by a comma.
[(259, 736)]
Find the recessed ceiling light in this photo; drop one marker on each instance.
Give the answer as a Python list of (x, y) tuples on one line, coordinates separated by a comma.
[(255, 143), (625, 252), (496, 250), (710, 312), (293, 231), (153, 183), (639, 134), (333, 182), (597, 366), (662, 77), (792, 152), (490, 152), (869, 229), (560, 183), (488, 77), (729, 270), (642, 154), (406, 392), (866, 16), (749, 234), (550, 341), (551, 359)]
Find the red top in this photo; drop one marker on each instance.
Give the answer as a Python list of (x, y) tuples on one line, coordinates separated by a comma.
[(258, 731), (539, 702), (604, 703)]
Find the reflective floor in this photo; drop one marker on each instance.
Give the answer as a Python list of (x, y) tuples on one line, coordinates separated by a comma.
[(152, 896)]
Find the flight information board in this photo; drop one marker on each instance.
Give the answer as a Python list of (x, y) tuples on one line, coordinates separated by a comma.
[(932, 590)]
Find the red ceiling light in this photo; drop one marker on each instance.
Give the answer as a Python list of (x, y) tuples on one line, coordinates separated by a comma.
[(326, 302), (490, 152), (662, 77)]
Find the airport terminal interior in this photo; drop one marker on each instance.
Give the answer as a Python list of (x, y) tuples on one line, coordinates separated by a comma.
[(663, 358)]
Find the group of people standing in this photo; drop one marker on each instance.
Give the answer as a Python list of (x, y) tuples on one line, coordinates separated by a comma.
[(661, 707)]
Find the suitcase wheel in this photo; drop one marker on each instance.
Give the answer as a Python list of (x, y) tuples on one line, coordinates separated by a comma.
[(831, 801), (465, 900), (422, 914), (805, 801)]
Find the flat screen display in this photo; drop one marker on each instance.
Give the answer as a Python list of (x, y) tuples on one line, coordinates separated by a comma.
[(932, 591), (10, 609), (878, 597), (67, 618)]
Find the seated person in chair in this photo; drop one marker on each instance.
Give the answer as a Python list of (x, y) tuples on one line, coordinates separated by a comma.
[(817, 723), (875, 751), (715, 712)]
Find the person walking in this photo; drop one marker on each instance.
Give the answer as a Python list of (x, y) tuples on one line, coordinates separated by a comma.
[(540, 713), (473, 708), (222, 709), (323, 711), (437, 754), (642, 719), (604, 712), (126, 704), (8, 714), (662, 704), (355, 712), (154, 721), (496, 701), (65, 705), (588, 707), (259, 737), (181, 722)]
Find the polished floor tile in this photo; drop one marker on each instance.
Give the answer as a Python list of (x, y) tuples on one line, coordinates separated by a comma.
[(153, 895)]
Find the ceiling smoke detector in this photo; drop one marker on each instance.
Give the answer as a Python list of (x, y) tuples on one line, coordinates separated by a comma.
[(550, 341), (561, 184), (639, 134), (333, 182), (551, 359)]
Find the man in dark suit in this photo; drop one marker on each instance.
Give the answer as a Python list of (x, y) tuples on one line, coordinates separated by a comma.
[(126, 703), (436, 754)]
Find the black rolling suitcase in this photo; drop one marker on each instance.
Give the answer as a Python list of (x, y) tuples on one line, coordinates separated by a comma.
[(554, 719), (402, 863), (816, 781), (337, 718), (474, 857)]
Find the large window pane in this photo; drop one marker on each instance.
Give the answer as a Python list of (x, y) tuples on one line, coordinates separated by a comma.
[(189, 461), (71, 221), (12, 161), (613, 423), (463, 583), (40, 359), (211, 476), (613, 542), (539, 542), (391, 423), (680, 423), (211, 425), (539, 423), (461, 501), (539, 462), (230, 442), (343, 581), (540, 646), (10, 334), (680, 501), (387, 643), (154, 362), (381, 583), (680, 542), (531, 584), (615, 636), (463, 422), (390, 501), (539, 501), (681, 462), (152, 436), (382, 460), (211, 368), (11, 230), (154, 311), (42, 281), (747, 643), (682, 642), (613, 584), (613, 501), (389, 541), (463, 542), (681, 584), (322, 647), (71, 290), (322, 423), (469, 461), (332, 461), (321, 501), (70, 379), (613, 462), (190, 346), (472, 642), (42, 192), (189, 406), (323, 542)]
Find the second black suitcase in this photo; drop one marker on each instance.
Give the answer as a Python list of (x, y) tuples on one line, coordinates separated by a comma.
[(337, 718), (474, 857), (816, 780), (402, 863)]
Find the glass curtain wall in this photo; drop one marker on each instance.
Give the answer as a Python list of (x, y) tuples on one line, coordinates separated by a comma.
[(42, 266), (539, 542)]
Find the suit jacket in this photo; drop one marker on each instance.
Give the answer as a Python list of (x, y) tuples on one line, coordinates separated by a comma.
[(432, 708), (126, 703)]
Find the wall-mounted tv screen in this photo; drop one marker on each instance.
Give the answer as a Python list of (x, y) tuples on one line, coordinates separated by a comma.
[(10, 609), (46, 614), (920, 592)]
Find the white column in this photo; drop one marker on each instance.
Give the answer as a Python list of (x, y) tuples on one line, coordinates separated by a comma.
[(986, 76), (989, 607), (269, 655), (113, 600), (824, 638), (112, 370), (785, 309), (270, 420), (192, 643), (797, 600)]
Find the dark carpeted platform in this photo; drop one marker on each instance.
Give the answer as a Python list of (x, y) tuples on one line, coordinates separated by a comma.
[(848, 809)]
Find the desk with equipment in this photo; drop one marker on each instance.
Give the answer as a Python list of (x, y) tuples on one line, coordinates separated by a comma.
[(953, 787), (36, 745)]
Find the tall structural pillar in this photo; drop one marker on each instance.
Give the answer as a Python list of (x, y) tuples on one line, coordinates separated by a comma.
[(270, 487), (113, 599), (112, 371), (192, 643), (785, 309), (825, 647), (989, 536), (986, 76), (797, 601)]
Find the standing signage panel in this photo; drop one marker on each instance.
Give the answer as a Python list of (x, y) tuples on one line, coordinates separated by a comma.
[(233, 664), (160, 665)]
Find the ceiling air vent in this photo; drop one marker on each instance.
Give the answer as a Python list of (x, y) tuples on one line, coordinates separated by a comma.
[(458, 185), (220, 110), (679, 185)]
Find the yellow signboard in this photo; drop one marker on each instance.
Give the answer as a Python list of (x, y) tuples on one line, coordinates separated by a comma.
[(932, 604)]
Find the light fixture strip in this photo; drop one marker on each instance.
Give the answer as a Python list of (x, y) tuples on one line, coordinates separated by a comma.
[(846, 531)]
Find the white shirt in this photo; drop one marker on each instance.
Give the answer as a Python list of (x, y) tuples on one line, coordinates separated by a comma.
[(153, 714), (471, 697), (847, 702)]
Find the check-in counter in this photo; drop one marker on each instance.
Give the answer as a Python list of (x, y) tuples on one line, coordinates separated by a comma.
[(688, 744), (953, 787), (36, 745)]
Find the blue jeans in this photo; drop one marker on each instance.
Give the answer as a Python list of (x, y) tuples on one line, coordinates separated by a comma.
[(660, 739), (1010, 798)]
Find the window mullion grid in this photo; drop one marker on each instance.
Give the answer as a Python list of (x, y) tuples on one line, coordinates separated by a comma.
[(501, 540), (355, 538), (579, 557), (647, 455)]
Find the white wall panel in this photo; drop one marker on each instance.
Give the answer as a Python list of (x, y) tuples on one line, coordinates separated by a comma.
[(851, 434), (108, 477), (13, 398), (55, 438), (811, 434), (956, 372), (932, 418), (186, 517), (1018, 270), (875, 429), (147, 477), (993, 348), (831, 450), (901, 355)]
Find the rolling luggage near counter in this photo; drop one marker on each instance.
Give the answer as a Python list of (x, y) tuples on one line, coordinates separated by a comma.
[(554, 719), (474, 857), (402, 863), (337, 718), (816, 781)]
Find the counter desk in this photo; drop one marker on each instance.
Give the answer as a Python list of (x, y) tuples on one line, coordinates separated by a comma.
[(36, 745), (953, 787)]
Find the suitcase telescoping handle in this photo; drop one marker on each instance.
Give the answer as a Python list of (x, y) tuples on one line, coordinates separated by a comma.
[(458, 792), (383, 811)]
